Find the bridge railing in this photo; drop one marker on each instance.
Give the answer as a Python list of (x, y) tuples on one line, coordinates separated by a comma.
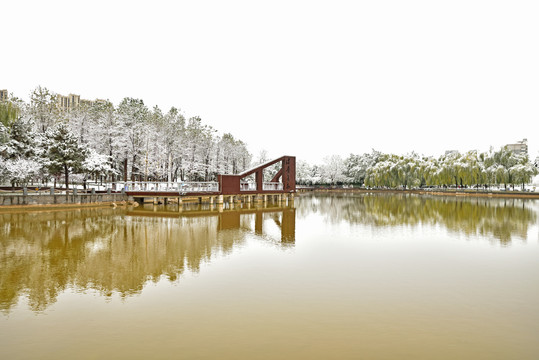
[(267, 186), (272, 186), (181, 187), (247, 186)]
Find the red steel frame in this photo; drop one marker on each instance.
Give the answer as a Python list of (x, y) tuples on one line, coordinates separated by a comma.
[(230, 184)]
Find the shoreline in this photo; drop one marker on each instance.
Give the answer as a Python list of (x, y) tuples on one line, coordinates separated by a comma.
[(124, 202), (56, 201), (61, 207), (470, 193)]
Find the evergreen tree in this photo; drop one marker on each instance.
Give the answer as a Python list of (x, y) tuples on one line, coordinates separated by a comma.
[(63, 153)]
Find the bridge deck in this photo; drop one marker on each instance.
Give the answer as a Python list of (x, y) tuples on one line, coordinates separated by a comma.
[(233, 185), (171, 193)]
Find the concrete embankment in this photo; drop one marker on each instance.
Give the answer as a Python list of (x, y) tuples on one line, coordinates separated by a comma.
[(63, 200), (472, 193)]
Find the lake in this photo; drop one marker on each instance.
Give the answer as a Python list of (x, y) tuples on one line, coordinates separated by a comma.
[(343, 276)]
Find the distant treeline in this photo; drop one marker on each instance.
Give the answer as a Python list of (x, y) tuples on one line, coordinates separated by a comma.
[(376, 169), (39, 141), (100, 141)]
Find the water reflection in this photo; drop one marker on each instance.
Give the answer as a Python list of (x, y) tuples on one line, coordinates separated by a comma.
[(501, 219), (118, 250), (232, 217)]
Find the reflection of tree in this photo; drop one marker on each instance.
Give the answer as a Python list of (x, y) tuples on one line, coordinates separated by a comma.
[(45, 253), (500, 218)]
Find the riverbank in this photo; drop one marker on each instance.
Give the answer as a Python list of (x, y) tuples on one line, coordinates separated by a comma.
[(471, 193), (59, 200)]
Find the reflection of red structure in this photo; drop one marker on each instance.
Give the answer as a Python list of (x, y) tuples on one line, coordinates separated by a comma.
[(232, 184), (283, 216)]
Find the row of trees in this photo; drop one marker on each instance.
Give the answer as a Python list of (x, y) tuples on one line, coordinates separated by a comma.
[(376, 169), (39, 141)]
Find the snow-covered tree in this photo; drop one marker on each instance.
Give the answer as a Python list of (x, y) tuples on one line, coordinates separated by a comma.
[(333, 169), (22, 141), (63, 154), (134, 116), (172, 136), (20, 170), (4, 135), (96, 164), (357, 165), (43, 108), (305, 174)]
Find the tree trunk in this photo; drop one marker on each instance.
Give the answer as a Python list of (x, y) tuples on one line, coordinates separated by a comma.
[(133, 168), (125, 170), (66, 171), (169, 170)]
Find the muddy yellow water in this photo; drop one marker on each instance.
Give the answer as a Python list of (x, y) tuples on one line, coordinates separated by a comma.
[(328, 277)]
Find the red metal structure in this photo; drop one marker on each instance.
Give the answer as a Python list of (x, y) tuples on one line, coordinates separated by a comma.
[(284, 182), (232, 184)]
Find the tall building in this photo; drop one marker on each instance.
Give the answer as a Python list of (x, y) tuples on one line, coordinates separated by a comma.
[(521, 147), (69, 102), (73, 101), (3, 95)]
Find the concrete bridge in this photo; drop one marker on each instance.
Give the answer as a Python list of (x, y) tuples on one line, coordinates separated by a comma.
[(227, 188)]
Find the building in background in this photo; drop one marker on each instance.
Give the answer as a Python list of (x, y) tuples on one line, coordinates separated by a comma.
[(520, 147), (3, 95), (68, 102), (73, 101), (92, 102)]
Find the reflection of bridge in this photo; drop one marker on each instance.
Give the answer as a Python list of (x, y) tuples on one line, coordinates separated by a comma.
[(230, 219), (234, 188)]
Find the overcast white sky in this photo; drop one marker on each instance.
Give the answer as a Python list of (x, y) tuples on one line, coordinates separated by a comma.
[(304, 78)]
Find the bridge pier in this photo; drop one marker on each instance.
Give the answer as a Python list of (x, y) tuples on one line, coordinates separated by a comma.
[(231, 199), (180, 204)]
